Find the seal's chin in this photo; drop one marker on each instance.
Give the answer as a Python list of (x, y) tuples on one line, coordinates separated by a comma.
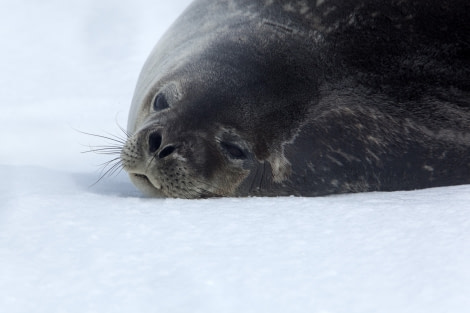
[(150, 188)]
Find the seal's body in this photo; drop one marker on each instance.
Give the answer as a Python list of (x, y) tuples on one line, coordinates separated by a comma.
[(307, 98)]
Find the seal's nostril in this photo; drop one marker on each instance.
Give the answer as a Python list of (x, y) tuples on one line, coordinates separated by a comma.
[(155, 140), (166, 152)]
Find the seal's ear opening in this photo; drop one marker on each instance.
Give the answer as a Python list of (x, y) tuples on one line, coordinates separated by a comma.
[(233, 151)]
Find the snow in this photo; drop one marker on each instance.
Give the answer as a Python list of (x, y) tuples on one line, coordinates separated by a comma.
[(69, 245)]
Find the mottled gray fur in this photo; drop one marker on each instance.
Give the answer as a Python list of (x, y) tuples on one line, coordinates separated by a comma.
[(305, 98)]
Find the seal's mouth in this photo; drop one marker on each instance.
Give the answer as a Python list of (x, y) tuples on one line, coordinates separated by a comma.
[(142, 177), (145, 179), (145, 183)]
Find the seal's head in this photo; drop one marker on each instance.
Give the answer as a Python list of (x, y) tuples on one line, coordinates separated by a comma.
[(214, 105), (212, 128), (180, 150)]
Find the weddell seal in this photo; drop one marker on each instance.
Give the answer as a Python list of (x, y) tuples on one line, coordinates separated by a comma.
[(306, 98)]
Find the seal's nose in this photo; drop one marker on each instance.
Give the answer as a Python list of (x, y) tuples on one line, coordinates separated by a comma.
[(155, 140), (166, 151)]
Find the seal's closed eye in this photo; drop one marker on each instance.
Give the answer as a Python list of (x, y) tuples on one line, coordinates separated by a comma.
[(233, 151)]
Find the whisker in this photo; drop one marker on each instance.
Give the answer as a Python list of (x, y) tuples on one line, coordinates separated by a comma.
[(107, 150), (122, 140), (110, 137), (124, 131), (107, 163), (107, 167), (117, 166), (150, 162), (203, 191), (114, 148), (115, 169)]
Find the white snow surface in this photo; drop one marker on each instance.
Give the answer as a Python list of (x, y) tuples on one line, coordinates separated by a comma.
[(67, 245)]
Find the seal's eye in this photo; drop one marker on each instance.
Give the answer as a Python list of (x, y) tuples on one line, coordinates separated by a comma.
[(160, 103), (233, 151)]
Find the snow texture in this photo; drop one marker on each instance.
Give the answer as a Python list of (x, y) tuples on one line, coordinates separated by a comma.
[(67, 245)]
